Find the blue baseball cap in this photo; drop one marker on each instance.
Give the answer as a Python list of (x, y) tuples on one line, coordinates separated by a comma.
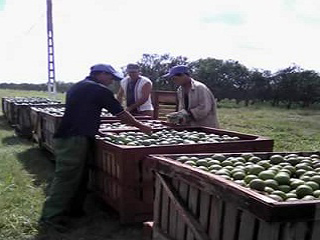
[(108, 69), (176, 70)]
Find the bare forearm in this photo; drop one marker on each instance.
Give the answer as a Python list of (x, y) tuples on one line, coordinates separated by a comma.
[(127, 118)]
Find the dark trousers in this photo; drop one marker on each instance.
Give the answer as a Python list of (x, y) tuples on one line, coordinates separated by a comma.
[(68, 189)]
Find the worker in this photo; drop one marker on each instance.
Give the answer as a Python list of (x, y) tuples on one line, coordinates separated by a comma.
[(137, 91), (197, 105), (73, 146)]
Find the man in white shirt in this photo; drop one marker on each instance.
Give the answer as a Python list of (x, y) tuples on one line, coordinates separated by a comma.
[(137, 91)]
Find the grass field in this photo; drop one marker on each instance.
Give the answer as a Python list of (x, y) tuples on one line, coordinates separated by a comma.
[(25, 170)]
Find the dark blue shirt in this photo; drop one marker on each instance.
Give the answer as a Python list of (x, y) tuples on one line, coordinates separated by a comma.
[(84, 103)]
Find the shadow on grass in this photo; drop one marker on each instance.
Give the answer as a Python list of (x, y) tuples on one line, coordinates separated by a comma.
[(4, 125), (38, 163)]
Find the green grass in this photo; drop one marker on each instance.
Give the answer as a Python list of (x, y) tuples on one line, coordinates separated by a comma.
[(25, 170)]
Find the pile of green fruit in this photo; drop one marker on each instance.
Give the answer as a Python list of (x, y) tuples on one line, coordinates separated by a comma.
[(118, 125), (165, 137), (287, 177)]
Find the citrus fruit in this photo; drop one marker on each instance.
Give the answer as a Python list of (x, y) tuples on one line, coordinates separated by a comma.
[(257, 184), (303, 190)]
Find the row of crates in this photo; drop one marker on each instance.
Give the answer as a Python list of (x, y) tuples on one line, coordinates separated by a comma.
[(178, 201)]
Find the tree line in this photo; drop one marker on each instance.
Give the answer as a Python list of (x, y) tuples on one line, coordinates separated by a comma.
[(227, 79)]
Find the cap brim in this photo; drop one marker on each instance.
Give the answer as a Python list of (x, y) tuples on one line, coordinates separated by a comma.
[(118, 76), (168, 75)]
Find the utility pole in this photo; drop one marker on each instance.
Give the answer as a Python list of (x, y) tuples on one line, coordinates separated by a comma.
[(51, 70)]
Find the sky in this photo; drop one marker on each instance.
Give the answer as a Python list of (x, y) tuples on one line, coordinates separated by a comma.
[(263, 34)]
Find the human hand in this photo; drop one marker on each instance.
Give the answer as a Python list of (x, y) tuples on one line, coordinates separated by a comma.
[(146, 129)]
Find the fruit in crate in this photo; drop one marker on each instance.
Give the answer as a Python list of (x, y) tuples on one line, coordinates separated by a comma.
[(286, 177), (165, 137), (118, 125)]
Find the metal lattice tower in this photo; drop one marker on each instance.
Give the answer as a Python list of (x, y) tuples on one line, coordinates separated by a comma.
[(51, 69)]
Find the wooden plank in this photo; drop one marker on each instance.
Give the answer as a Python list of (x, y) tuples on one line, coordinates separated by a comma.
[(204, 209), (181, 226), (158, 234), (215, 220), (247, 226), (300, 230), (269, 231), (165, 212), (230, 222), (192, 205), (157, 203), (315, 235), (191, 222), (173, 213)]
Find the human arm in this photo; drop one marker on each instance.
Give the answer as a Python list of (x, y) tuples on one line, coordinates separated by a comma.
[(120, 94), (204, 105), (145, 93), (127, 118)]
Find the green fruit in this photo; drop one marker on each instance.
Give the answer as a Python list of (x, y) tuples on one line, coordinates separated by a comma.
[(226, 163), (268, 189), (313, 185), (202, 162), (203, 168), (276, 159), (303, 190), (226, 177), (240, 182), (305, 178), (280, 194), (249, 178), (292, 169), (276, 197), (254, 159), (218, 156), (267, 174), (257, 184), (214, 161), (284, 188), (315, 178), (308, 197), (294, 183), (223, 172), (300, 172), (247, 156), (183, 159), (292, 199), (272, 183), (316, 193), (291, 195), (238, 175), (190, 162), (264, 163), (256, 169), (282, 178), (214, 167)]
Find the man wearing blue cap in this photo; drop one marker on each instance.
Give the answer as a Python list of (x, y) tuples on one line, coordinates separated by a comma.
[(74, 141), (197, 105)]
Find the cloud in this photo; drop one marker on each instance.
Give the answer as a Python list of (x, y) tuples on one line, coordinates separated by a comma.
[(264, 34)]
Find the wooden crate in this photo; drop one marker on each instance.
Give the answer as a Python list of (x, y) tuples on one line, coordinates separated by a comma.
[(194, 204), (49, 123), (26, 119), (130, 183), (4, 105), (164, 102)]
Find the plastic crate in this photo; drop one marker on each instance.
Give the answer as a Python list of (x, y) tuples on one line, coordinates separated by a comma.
[(194, 204), (129, 188)]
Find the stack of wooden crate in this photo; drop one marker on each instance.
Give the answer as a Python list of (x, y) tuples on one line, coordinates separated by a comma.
[(194, 204), (119, 176)]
